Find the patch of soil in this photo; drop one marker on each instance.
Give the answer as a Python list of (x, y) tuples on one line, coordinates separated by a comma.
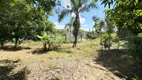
[(69, 69)]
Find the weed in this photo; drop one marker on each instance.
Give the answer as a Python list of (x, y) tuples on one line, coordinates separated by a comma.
[(53, 65)]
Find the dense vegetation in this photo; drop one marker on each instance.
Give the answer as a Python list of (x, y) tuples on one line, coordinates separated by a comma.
[(126, 17), (22, 20)]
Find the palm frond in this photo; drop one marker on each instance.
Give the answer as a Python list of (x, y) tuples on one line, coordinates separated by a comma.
[(93, 5), (83, 9), (95, 19), (86, 7), (107, 2), (70, 24), (63, 14), (84, 1), (73, 2)]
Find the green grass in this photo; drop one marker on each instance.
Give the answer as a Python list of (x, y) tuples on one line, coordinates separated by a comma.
[(83, 50), (32, 43), (52, 65)]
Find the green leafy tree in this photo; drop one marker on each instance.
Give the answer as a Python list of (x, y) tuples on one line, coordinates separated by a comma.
[(127, 16), (22, 18), (45, 5)]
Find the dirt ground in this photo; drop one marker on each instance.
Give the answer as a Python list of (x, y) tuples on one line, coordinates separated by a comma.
[(23, 65), (70, 69)]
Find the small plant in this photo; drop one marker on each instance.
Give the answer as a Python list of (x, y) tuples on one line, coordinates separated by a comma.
[(53, 40)]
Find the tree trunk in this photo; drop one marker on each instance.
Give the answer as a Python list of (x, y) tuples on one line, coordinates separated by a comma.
[(81, 38), (16, 42), (44, 46), (76, 25), (75, 41), (49, 47), (2, 44), (17, 36)]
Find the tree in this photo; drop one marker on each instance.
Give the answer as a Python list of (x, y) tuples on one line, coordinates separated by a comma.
[(127, 16), (99, 25), (77, 6), (45, 5), (109, 29), (19, 17)]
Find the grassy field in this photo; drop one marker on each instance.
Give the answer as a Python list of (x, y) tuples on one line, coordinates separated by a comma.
[(29, 62), (31, 52)]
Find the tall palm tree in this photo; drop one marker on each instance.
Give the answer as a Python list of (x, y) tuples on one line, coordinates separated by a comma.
[(77, 6)]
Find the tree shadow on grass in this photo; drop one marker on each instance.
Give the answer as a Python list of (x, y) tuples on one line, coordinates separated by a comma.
[(39, 51), (6, 67), (115, 62), (59, 50), (12, 48)]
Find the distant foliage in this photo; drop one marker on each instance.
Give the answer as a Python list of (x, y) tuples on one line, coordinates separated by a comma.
[(91, 35)]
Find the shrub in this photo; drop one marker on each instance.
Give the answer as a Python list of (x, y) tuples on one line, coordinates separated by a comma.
[(53, 40), (135, 47)]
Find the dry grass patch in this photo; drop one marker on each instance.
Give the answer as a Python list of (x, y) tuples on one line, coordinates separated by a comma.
[(84, 49)]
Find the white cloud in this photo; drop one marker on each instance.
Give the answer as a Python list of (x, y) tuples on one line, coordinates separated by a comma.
[(82, 20), (59, 26), (85, 25)]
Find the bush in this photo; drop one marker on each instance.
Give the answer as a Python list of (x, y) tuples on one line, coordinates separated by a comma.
[(135, 47), (106, 40), (54, 41), (91, 35)]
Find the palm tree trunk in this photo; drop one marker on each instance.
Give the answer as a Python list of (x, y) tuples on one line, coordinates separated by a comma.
[(76, 25), (75, 41)]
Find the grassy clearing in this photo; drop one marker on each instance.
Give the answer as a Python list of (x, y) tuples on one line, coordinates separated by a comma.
[(84, 49), (32, 43), (111, 59), (25, 57)]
